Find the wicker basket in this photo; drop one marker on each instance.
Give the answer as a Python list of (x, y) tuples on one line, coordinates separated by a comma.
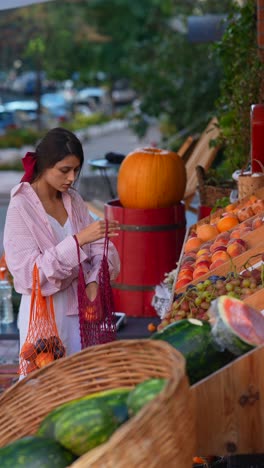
[(161, 433), (210, 194), (248, 183)]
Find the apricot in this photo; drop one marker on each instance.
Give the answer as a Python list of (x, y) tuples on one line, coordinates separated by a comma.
[(235, 249), (206, 232), (227, 223), (245, 213), (220, 254), (200, 271), (216, 263), (192, 243), (181, 283), (230, 207), (258, 206), (257, 222)]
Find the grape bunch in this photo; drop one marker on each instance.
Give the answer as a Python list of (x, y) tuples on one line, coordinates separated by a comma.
[(196, 300)]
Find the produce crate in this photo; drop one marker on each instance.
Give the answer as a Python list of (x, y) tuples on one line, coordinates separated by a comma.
[(255, 241), (161, 433), (239, 204), (230, 410)]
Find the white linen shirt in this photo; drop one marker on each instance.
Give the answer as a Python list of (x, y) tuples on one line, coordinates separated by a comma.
[(29, 238)]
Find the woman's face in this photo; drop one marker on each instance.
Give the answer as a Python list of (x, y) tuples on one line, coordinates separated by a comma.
[(63, 174)]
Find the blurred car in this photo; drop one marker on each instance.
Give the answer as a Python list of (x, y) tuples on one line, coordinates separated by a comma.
[(7, 120), (122, 94), (56, 106), (24, 111), (91, 99)]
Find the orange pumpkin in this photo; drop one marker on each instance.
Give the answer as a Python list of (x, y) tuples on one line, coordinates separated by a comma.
[(151, 178)]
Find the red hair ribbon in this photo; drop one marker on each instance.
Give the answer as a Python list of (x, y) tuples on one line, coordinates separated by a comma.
[(29, 162)]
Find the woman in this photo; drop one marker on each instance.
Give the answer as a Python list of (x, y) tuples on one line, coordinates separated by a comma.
[(44, 213)]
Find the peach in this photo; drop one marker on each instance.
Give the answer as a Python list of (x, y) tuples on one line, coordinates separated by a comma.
[(181, 283), (245, 231), (236, 233), (258, 206), (206, 232), (216, 263), (230, 207), (203, 251), (186, 273), (192, 243), (257, 222), (218, 247), (245, 213), (220, 254), (242, 242), (227, 222), (200, 271), (188, 259), (221, 239), (204, 263), (203, 258), (235, 249)]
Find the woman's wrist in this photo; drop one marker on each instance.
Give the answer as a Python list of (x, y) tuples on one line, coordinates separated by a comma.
[(80, 239)]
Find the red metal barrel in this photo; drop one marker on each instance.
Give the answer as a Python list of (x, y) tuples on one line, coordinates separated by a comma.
[(149, 245)]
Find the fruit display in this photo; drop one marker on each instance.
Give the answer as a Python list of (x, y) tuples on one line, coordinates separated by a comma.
[(202, 258), (42, 352), (143, 175), (84, 425), (194, 340), (195, 301), (234, 329), (115, 399), (77, 426)]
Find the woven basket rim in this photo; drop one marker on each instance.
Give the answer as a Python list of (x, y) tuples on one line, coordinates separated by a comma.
[(137, 359)]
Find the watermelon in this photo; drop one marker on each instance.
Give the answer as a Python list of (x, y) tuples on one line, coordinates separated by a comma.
[(236, 326), (193, 338), (35, 452), (84, 425), (143, 393), (114, 398)]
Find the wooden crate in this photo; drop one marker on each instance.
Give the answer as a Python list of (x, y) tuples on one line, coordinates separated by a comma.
[(255, 241), (239, 204), (230, 409)]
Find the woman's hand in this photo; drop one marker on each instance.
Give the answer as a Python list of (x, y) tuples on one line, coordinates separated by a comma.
[(96, 231), (91, 290)]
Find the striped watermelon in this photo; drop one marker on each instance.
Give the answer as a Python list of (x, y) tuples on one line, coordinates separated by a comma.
[(143, 393), (193, 338), (236, 326), (35, 452), (114, 399), (84, 425)]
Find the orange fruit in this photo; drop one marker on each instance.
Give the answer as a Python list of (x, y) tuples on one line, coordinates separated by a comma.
[(151, 327), (226, 223), (192, 244), (206, 232), (230, 207)]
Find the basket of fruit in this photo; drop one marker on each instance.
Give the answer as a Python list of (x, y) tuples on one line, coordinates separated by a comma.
[(120, 404)]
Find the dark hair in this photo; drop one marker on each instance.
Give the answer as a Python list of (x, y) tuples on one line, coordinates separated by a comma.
[(55, 146)]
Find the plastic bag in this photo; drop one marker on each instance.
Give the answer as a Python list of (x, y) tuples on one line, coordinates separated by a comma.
[(43, 344), (96, 318)]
